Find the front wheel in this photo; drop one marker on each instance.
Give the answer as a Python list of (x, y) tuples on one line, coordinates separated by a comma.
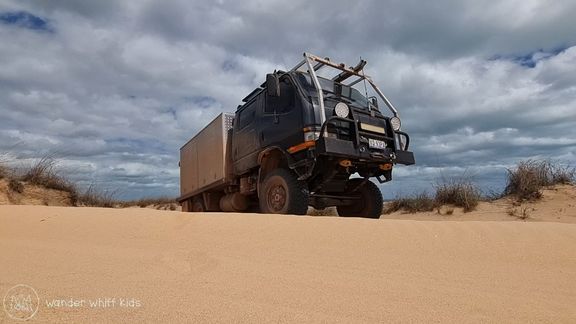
[(282, 193), (368, 204)]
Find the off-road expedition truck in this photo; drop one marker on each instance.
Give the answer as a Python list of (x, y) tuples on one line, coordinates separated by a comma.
[(295, 142)]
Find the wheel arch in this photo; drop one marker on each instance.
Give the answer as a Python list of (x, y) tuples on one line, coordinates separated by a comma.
[(272, 158)]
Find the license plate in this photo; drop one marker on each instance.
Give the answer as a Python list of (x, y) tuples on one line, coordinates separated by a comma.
[(377, 144)]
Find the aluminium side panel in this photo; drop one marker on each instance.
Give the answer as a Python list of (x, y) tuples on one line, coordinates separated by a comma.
[(189, 168), (203, 158)]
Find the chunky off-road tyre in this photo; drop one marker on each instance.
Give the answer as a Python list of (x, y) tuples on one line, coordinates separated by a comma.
[(197, 205), (282, 193), (370, 203)]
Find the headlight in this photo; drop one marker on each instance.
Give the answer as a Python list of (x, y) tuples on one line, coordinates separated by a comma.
[(396, 124), (341, 110)]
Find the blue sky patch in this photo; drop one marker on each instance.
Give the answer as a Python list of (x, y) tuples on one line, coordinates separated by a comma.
[(530, 60), (26, 20)]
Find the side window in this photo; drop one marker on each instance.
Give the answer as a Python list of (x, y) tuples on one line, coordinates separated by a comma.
[(285, 102), (247, 115)]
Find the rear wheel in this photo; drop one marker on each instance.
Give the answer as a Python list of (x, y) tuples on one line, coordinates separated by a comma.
[(368, 204), (282, 193), (198, 205)]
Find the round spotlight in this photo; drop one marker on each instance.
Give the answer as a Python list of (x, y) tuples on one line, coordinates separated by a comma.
[(342, 110), (395, 122)]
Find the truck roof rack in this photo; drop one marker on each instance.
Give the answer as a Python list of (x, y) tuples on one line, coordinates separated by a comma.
[(346, 72)]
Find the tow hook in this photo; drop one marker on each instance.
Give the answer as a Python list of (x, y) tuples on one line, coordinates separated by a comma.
[(386, 166), (345, 163)]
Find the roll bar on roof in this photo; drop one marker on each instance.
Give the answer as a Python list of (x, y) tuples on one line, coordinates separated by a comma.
[(315, 63)]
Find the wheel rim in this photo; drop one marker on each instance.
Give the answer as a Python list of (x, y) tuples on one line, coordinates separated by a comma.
[(277, 198)]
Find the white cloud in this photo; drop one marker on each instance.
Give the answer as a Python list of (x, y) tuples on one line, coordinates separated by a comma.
[(117, 87)]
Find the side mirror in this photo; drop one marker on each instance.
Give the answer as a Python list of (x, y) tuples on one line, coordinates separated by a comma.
[(273, 85)]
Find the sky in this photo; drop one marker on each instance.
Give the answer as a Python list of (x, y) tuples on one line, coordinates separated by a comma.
[(113, 89)]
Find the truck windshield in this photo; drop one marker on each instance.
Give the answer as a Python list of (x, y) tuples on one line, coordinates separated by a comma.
[(332, 89)]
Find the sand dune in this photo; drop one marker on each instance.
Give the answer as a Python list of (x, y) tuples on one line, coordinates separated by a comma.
[(33, 195), (558, 204), (173, 266)]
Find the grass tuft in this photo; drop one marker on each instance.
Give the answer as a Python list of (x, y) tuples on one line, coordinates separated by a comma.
[(529, 177), (43, 173), (164, 203), (421, 202), (16, 186), (329, 211), (460, 193), (92, 197), (522, 213)]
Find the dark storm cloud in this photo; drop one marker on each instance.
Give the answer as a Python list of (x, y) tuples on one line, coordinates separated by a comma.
[(117, 87)]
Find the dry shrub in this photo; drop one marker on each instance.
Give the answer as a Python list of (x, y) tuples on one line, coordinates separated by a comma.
[(562, 174), (461, 193), (529, 177), (43, 173), (417, 203), (522, 214), (16, 186), (160, 203), (3, 172), (93, 197), (329, 211), (458, 192)]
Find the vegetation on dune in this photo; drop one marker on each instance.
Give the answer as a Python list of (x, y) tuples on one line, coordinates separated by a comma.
[(330, 211), (160, 202), (44, 173), (525, 181), (3, 172), (15, 185), (93, 197), (459, 192), (421, 202)]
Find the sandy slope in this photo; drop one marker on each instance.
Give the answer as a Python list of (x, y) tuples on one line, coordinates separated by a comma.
[(558, 204), (32, 195), (253, 268)]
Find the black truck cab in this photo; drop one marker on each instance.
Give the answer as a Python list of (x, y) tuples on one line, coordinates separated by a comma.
[(297, 140)]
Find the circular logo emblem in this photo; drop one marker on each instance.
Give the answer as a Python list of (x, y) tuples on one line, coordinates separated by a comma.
[(21, 302)]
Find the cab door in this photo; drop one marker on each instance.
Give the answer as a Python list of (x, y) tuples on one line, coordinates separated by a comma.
[(246, 140), (282, 117)]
